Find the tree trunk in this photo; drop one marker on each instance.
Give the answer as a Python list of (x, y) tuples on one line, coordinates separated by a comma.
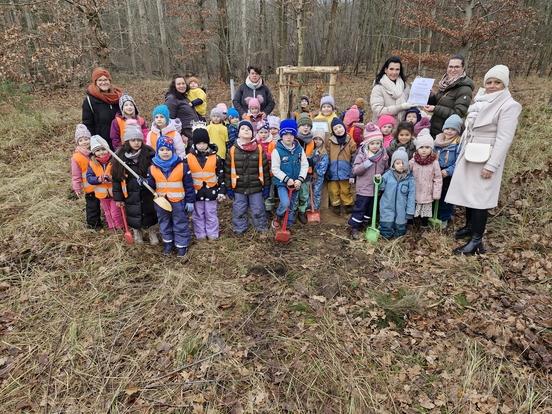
[(282, 32), (224, 41), (299, 8), (144, 37), (467, 43), (131, 44), (331, 32), (244, 31), (163, 34)]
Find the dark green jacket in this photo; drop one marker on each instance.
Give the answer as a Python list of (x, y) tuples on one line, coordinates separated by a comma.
[(454, 100), (247, 169)]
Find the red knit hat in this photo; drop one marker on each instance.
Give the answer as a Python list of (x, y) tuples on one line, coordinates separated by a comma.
[(352, 115), (99, 72)]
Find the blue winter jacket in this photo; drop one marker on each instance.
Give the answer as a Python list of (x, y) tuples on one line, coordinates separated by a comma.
[(290, 162), (447, 157), (341, 159), (321, 162), (398, 199)]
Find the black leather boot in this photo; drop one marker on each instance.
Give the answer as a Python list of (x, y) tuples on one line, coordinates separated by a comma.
[(465, 231), (475, 245)]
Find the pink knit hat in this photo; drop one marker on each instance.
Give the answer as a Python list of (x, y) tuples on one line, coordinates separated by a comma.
[(81, 132), (385, 120), (352, 115), (424, 123), (253, 103), (372, 133)]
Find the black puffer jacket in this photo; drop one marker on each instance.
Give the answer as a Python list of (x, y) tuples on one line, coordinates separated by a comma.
[(97, 116), (247, 169), (262, 93), (139, 203), (454, 100), (180, 108), (206, 193)]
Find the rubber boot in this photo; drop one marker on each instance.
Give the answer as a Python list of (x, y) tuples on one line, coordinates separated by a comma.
[(137, 236), (302, 217), (465, 231), (167, 248), (152, 234), (181, 251)]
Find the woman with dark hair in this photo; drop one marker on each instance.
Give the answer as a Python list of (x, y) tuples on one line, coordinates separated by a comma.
[(253, 87), (454, 95), (101, 104), (390, 91), (179, 105)]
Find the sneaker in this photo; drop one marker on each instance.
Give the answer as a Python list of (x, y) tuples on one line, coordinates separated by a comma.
[(355, 234), (152, 234), (181, 251), (137, 236), (302, 217), (276, 223), (167, 248)]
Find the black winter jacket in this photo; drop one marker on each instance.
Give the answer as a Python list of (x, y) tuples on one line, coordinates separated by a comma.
[(97, 116), (206, 193), (181, 109), (244, 92), (247, 169), (454, 100)]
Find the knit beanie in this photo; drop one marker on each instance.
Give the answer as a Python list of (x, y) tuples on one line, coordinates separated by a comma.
[(273, 121), (200, 135), (81, 132), (306, 98), (386, 120), (132, 131), (161, 110), (352, 115), (424, 139), (263, 125), (337, 121), (372, 133), (247, 124), (164, 141), (96, 142), (425, 122), (453, 122), (216, 112), (359, 102), (415, 111), (222, 108), (288, 126), (319, 133), (500, 72), (253, 103), (304, 119), (124, 99), (327, 99), (400, 154), (233, 112), (98, 73)]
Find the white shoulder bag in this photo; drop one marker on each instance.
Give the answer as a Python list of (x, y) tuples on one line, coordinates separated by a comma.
[(477, 153)]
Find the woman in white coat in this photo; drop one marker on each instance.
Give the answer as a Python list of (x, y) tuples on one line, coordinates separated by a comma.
[(490, 128), (390, 91)]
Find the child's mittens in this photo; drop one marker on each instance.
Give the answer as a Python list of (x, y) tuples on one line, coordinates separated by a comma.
[(141, 181), (189, 208)]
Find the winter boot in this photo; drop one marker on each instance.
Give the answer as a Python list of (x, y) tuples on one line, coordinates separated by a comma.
[(302, 217), (181, 251), (355, 234), (475, 245), (152, 234), (465, 231), (167, 248), (137, 236), (337, 210), (348, 209)]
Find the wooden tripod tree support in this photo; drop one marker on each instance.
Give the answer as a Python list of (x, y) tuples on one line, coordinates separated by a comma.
[(284, 82)]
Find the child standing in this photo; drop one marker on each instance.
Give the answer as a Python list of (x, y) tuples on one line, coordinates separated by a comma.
[(427, 175), (207, 170), (128, 192), (403, 138), (305, 140), (398, 200), (164, 126), (172, 179), (289, 168), (446, 145), (254, 115), (246, 169), (79, 166), (371, 161), (341, 149), (351, 119), (197, 97), (264, 139), (386, 124), (218, 133), (129, 110), (232, 127), (327, 111), (320, 161), (304, 108), (99, 175)]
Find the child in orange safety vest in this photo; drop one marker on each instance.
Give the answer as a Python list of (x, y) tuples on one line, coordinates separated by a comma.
[(79, 166), (207, 170), (172, 179), (99, 175), (128, 110)]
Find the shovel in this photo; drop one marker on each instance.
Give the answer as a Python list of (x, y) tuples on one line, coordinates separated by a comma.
[(283, 235), (313, 216), (128, 235), (372, 233), (159, 200), (434, 222)]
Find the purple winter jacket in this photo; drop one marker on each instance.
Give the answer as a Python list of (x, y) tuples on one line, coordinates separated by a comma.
[(365, 176)]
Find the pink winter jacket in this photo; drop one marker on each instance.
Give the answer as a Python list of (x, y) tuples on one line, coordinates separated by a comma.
[(365, 175), (428, 181), (76, 173)]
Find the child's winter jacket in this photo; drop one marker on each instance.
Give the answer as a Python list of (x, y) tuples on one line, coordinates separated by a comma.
[(168, 131), (447, 156), (118, 129), (218, 135), (429, 181), (398, 199), (340, 167), (288, 164), (365, 169), (246, 172), (207, 173)]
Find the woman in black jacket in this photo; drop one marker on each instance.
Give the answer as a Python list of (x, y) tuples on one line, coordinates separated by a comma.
[(101, 104), (253, 87), (179, 105)]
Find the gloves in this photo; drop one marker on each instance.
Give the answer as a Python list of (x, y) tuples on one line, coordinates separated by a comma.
[(221, 198), (367, 164), (266, 192), (230, 194), (189, 208), (141, 181)]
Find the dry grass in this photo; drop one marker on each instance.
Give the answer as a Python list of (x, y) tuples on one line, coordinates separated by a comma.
[(90, 325)]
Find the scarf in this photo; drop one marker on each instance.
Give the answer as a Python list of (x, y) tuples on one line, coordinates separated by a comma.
[(424, 161), (442, 141), (395, 89), (111, 97), (399, 176), (387, 140), (305, 139), (247, 146), (83, 150), (166, 166), (133, 155), (446, 81), (480, 103), (252, 85), (373, 157)]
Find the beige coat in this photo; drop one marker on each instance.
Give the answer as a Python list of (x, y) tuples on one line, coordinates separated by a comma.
[(495, 125), (383, 103)]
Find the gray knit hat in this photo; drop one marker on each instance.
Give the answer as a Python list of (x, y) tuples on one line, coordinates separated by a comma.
[(127, 98), (216, 112), (453, 122), (327, 99), (96, 142), (81, 132), (400, 154), (304, 119), (132, 131)]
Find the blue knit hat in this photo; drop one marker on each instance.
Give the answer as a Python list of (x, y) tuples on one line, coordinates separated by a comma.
[(233, 112), (161, 110), (337, 121), (414, 111), (165, 141), (288, 126), (454, 122)]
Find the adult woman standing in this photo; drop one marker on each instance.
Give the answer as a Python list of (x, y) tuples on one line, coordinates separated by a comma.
[(454, 95), (490, 127), (390, 91), (253, 87), (101, 104), (179, 105)]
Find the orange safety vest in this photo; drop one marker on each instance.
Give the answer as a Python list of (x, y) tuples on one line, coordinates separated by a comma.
[(234, 176), (171, 186), (102, 190), (309, 150), (154, 136), (207, 174), (82, 161)]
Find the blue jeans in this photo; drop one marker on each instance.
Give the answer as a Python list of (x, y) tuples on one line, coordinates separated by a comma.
[(317, 192), (240, 209), (286, 203)]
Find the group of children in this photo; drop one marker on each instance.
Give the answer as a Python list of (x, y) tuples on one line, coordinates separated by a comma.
[(267, 167)]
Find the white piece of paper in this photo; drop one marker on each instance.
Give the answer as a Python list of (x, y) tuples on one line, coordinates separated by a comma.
[(323, 125), (420, 91)]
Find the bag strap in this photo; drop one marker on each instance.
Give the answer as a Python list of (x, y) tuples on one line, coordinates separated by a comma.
[(89, 103)]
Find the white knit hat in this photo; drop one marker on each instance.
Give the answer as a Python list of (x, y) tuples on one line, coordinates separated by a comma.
[(500, 72), (424, 139), (96, 143), (327, 100), (81, 132)]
